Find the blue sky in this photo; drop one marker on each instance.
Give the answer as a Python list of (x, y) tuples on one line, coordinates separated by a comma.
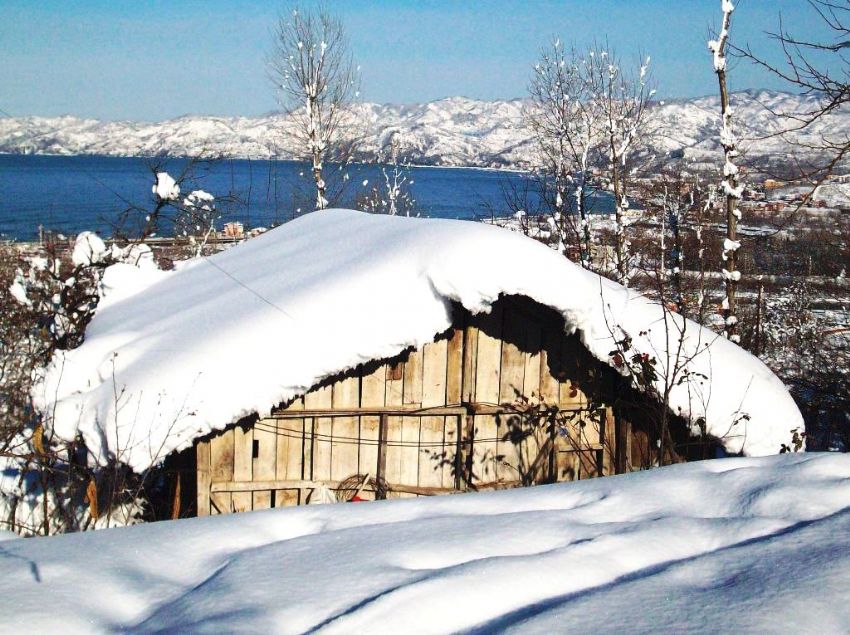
[(150, 59)]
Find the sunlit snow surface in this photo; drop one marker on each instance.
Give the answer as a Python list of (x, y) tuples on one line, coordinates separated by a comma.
[(734, 545), (172, 356)]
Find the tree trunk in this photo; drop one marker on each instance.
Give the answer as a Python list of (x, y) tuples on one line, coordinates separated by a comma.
[(730, 186)]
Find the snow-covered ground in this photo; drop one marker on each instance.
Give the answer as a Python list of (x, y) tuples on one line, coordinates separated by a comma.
[(733, 545)]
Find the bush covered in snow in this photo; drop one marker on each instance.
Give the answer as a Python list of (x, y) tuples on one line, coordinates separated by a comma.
[(47, 298)]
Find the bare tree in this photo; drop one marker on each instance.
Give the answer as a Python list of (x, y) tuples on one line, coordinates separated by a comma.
[(392, 197), (314, 75), (808, 66), (623, 101), (731, 188), (564, 119), (670, 240)]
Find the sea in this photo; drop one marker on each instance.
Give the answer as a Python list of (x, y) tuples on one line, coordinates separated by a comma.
[(70, 194)]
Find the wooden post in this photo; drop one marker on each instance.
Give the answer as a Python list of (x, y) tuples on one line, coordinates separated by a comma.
[(623, 445), (469, 452), (381, 468), (202, 462), (458, 459), (175, 504), (608, 441)]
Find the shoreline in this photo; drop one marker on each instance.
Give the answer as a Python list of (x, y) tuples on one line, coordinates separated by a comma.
[(513, 170)]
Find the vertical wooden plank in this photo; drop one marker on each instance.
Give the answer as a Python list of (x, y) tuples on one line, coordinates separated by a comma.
[(394, 397), (322, 435), (512, 363), (346, 430), (263, 468), (372, 395), (373, 388), (486, 449), (221, 469), (434, 368), (409, 462), (511, 390), (394, 453), (394, 384), (571, 394), (531, 374), (432, 451), (319, 398), (412, 394), (470, 359), (509, 428), (243, 447), (549, 387), (202, 462), (289, 458), (453, 463), (431, 435), (487, 369), (454, 367)]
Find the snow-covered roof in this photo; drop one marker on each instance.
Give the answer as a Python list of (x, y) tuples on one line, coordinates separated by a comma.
[(170, 356)]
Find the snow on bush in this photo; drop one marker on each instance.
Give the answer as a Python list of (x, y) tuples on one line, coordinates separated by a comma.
[(48, 484), (89, 249), (166, 188)]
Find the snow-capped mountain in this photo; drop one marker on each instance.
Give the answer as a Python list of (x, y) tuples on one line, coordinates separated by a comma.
[(454, 131)]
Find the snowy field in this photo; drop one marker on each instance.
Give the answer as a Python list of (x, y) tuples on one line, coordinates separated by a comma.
[(735, 545)]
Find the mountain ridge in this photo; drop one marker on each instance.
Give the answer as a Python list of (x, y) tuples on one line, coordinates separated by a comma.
[(453, 131)]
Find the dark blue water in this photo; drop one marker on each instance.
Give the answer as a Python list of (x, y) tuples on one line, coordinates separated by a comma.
[(71, 194)]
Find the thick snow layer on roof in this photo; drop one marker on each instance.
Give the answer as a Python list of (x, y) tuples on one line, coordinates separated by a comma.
[(248, 328), (740, 545)]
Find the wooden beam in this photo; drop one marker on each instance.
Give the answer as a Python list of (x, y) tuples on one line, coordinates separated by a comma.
[(381, 468), (401, 411), (250, 486)]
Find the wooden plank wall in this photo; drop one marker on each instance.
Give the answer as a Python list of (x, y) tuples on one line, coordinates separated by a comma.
[(511, 354)]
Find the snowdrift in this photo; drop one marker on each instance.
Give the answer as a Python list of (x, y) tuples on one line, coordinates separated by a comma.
[(172, 356), (735, 545)]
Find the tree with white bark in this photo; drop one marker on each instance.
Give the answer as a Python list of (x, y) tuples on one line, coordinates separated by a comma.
[(565, 121), (623, 101), (731, 188), (586, 112), (314, 74)]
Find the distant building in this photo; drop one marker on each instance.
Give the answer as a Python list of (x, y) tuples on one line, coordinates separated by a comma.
[(234, 229)]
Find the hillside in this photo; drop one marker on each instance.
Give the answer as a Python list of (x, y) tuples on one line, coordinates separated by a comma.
[(454, 131)]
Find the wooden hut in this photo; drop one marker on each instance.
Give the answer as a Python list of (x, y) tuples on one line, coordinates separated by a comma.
[(405, 357), (500, 400)]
